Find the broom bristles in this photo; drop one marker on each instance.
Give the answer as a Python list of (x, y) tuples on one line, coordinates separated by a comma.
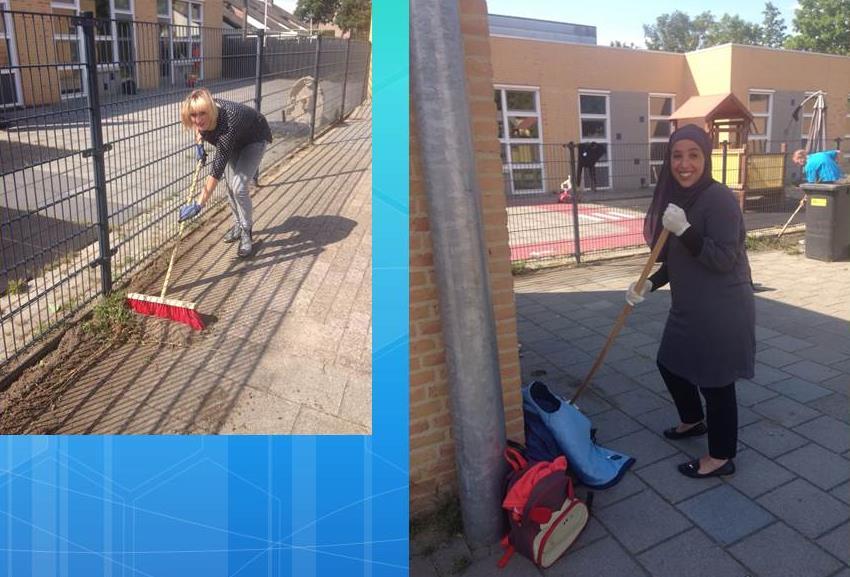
[(170, 309)]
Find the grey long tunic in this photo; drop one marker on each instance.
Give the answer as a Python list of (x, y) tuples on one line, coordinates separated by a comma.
[(709, 338)]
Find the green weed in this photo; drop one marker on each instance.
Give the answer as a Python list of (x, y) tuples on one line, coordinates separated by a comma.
[(16, 286), (111, 318)]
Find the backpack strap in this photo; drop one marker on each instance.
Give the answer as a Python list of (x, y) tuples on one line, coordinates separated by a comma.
[(515, 459), (509, 552)]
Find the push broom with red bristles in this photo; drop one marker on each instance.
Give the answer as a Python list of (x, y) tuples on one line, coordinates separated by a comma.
[(171, 309)]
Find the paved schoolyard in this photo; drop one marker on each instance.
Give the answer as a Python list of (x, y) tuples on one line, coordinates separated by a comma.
[(287, 346), (783, 514)]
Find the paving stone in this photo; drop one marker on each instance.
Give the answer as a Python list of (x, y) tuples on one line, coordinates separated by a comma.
[(613, 424), (804, 507), (592, 532), (839, 384), (627, 486), (842, 492), (811, 371), (638, 401), (763, 334), (690, 554), (669, 483), (653, 382), (613, 383), (788, 343), (824, 355), (519, 566), (764, 375), (796, 557), (800, 390), (635, 366), (776, 357), (749, 393), (603, 558), (835, 405), (644, 446), (747, 416), (725, 514), (756, 475), (422, 567), (827, 432), (785, 411), (814, 463), (836, 542), (451, 556), (770, 439), (641, 521)]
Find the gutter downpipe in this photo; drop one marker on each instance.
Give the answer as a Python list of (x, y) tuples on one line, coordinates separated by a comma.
[(443, 130)]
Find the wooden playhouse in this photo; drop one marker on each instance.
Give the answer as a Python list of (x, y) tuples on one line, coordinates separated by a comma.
[(747, 172)]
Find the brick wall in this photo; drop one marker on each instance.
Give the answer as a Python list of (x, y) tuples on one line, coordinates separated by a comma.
[(432, 471)]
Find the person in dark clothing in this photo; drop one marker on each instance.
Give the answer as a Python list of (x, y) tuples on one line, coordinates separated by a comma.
[(239, 134), (709, 339)]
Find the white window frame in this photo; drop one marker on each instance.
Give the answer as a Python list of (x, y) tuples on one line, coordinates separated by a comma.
[(769, 115), (657, 139), (507, 141), (607, 141), (9, 37), (175, 64)]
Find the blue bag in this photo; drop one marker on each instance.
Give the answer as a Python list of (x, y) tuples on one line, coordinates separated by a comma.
[(595, 466)]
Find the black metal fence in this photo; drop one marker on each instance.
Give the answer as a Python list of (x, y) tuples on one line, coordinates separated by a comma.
[(93, 159), (566, 201)]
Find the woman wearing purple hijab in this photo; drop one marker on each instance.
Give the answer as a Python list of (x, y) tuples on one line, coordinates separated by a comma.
[(709, 338)]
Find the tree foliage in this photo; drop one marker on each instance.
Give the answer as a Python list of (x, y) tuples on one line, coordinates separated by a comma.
[(319, 11), (678, 32), (772, 27), (822, 26), (355, 16)]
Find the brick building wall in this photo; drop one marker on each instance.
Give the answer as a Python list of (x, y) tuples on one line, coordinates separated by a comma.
[(432, 470)]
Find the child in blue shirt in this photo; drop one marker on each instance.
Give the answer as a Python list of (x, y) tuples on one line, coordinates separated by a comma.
[(819, 166)]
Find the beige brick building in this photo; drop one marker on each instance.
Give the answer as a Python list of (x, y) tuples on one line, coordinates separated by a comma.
[(139, 45), (432, 471), (556, 92)]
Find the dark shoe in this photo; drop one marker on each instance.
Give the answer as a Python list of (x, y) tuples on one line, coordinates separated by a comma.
[(691, 469), (233, 234), (695, 431), (245, 244)]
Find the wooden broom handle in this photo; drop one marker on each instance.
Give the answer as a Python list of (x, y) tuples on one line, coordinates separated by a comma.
[(180, 231), (621, 320)]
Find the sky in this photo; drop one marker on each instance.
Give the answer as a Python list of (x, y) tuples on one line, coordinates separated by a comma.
[(288, 5), (623, 19)]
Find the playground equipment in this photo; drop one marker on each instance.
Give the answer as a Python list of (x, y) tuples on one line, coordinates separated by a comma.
[(747, 172)]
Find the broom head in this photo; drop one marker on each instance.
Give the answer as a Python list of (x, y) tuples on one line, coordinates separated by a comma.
[(171, 309)]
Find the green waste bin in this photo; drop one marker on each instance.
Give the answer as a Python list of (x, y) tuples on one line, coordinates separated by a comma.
[(827, 221)]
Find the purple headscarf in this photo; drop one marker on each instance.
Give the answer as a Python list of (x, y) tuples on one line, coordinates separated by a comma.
[(668, 190)]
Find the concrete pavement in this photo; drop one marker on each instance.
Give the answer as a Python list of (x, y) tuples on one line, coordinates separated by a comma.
[(784, 513), (287, 349)]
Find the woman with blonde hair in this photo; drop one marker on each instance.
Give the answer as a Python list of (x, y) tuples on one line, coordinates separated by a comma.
[(239, 134)]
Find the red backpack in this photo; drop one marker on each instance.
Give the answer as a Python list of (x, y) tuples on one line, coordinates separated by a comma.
[(544, 515)]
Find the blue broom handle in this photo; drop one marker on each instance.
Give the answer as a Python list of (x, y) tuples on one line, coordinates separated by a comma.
[(624, 314), (180, 232)]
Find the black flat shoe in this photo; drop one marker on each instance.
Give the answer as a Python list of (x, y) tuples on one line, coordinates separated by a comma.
[(695, 431), (691, 469)]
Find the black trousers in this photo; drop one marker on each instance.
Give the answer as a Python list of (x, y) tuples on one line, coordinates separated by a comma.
[(721, 411)]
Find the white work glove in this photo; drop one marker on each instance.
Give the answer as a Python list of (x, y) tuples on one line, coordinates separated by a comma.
[(675, 220), (634, 297)]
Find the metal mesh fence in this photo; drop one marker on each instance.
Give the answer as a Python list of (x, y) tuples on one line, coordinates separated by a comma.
[(93, 159), (574, 200)]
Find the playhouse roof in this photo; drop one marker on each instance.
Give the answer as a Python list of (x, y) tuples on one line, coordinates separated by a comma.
[(712, 106)]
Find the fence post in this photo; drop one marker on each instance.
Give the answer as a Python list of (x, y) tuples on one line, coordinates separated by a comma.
[(345, 79), (576, 235), (315, 88), (725, 145), (258, 78), (87, 22), (837, 143)]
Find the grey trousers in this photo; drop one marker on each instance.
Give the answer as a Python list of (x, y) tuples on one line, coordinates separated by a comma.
[(240, 170)]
